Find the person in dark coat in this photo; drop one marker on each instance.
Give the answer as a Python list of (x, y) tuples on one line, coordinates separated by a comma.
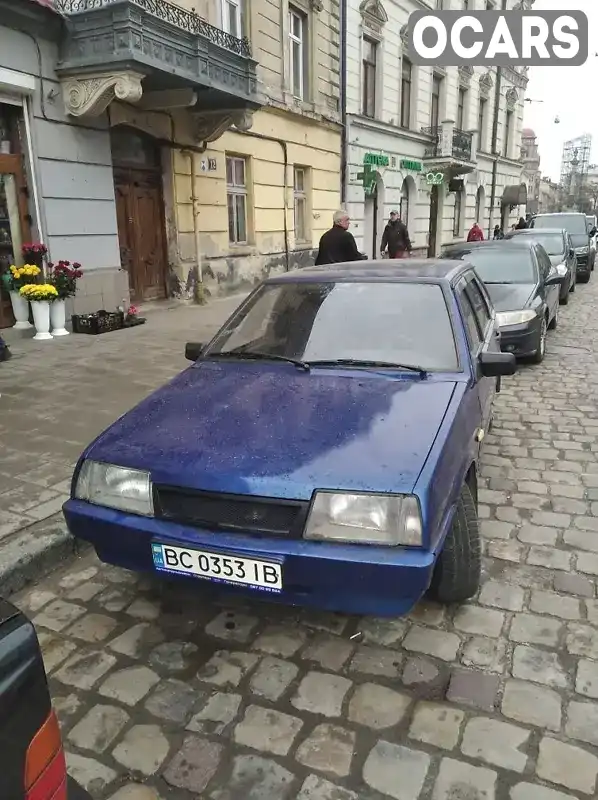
[(475, 234), (521, 225), (498, 234), (338, 245), (395, 237)]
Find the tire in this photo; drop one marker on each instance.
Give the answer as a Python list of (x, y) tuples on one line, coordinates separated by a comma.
[(573, 285), (584, 278), (564, 301), (554, 322), (458, 568), (538, 356)]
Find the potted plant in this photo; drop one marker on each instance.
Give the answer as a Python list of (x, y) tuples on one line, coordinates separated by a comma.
[(63, 276), (40, 295), (34, 253), (15, 279)]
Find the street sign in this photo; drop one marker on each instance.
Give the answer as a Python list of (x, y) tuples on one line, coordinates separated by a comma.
[(376, 159), (414, 166)]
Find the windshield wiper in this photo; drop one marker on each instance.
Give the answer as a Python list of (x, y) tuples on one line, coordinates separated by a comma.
[(254, 355), (359, 362)]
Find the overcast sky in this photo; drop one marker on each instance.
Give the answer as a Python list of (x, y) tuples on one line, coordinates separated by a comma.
[(571, 93)]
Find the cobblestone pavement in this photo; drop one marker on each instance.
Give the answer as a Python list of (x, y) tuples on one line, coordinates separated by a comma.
[(167, 693)]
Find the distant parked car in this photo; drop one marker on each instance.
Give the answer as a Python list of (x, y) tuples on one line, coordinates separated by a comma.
[(576, 226), (524, 288), (32, 757), (321, 450), (561, 253), (592, 226)]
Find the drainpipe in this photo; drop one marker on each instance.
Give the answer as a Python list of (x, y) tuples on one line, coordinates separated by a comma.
[(343, 96), (495, 152), (285, 156)]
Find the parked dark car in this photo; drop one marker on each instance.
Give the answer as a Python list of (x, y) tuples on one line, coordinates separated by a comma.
[(561, 253), (322, 449), (32, 757), (576, 226), (592, 226), (524, 288)]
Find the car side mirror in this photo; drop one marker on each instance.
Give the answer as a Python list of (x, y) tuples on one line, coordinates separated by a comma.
[(495, 365), (593, 232), (554, 279), (193, 350)]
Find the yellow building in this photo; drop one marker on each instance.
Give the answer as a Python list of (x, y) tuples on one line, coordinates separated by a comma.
[(258, 200)]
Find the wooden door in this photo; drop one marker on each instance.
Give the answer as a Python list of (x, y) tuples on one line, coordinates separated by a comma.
[(433, 222), (14, 224), (140, 215)]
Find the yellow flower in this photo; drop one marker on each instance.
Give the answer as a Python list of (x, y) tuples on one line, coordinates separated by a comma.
[(39, 292)]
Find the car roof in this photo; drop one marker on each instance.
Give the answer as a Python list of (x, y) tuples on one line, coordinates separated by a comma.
[(462, 247), (560, 214), (409, 269), (534, 231)]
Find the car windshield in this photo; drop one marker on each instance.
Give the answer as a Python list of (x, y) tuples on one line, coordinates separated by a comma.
[(398, 323), (552, 242), (502, 264), (575, 224)]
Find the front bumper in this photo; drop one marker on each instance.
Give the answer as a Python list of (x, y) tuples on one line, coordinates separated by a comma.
[(584, 266), (354, 579), (521, 340)]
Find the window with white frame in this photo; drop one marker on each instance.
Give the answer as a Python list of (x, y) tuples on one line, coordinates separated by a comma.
[(435, 104), (461, 108), (232, 20), (404, 203), (298, 53), (482, 123), (369, 64), (300, 189), (508, 133), (236, 199), (406, 85), (457, 213)]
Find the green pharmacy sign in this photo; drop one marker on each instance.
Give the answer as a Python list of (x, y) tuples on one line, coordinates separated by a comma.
[(376, 160), (414, 166)]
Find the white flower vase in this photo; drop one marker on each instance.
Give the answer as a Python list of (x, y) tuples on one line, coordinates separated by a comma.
[(58, 318), (41, 318), (20, 309)]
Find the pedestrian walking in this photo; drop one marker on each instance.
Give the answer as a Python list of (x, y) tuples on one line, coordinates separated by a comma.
[(395, 238), (338, 244), (498, 234), (475, 234)]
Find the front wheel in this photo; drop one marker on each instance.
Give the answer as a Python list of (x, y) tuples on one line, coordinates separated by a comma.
[(458, 568), (554, 322)]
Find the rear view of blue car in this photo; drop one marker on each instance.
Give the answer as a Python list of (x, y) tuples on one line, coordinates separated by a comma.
[(321, 450)]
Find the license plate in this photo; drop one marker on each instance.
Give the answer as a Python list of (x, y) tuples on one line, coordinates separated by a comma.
[(212, 566)]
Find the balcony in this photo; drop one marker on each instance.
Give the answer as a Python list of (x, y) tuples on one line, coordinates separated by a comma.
[(450, 150), (154, 54)]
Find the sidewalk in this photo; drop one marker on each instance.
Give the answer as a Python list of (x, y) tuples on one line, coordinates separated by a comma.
[(55, 397)]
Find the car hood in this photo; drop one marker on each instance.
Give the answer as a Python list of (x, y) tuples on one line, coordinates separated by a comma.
[(510, 296), (556, 260), (272, 430)]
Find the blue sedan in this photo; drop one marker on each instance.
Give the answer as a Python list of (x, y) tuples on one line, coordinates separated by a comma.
[(322, 449)]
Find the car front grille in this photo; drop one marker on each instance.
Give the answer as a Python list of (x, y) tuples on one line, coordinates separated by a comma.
[(582, 261), (259, 516)]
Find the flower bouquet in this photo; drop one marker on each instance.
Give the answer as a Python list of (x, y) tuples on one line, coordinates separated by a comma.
[(40, 295), (132, 317), (34, 253), (15, 278), (63, 276)]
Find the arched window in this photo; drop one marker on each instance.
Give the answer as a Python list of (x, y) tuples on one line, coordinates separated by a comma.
[(404, 205)]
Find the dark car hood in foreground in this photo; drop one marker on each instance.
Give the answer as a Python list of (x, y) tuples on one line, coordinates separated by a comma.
[(272, 430), (510, 296)]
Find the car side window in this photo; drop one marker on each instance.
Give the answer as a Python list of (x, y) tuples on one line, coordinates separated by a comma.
[(543, 262), (480, 307), (474, 333)]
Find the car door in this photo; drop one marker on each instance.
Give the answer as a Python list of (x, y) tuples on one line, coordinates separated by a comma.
[(550, 294), (475, 342), (490, 334), (570, 259)]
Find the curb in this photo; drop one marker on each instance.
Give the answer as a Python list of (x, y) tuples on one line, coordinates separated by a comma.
[(34, 551)]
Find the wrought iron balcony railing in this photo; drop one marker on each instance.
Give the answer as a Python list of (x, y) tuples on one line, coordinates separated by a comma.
[(186, 20), (461, 145)]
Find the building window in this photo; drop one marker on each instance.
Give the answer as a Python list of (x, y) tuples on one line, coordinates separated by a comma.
[(507, 137), (231, 17), (482, 112), (457, 213), (461, 108), (489, 5), (406, 78), (298, 53), (368, 99), (404, 203), (236, 198), (300, 186), (435, 104)]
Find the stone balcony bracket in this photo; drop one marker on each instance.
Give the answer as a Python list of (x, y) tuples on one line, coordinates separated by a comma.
[(90, 96)]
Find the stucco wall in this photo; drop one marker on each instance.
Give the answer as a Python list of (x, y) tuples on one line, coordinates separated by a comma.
[(227, 267), (73, 173)]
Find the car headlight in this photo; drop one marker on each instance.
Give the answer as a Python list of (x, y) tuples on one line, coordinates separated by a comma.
[(505, 318), (562, 269), (115, 487), (391, 520), (582, 251)]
